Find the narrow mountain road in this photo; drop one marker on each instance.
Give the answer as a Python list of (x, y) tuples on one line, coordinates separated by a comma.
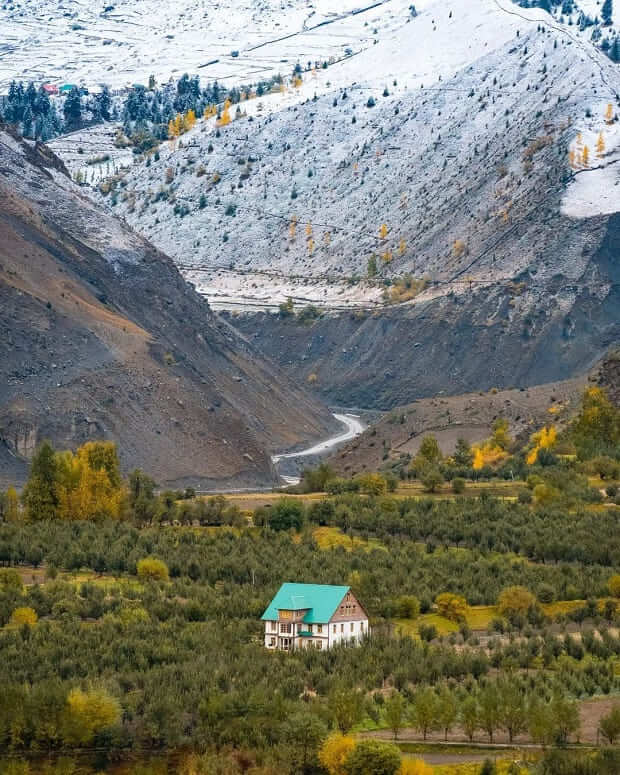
[(354, 426)]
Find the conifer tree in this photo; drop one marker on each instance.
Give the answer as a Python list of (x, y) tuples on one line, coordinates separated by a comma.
[(609, 113), (600, 144), (40, 493), (585, 156), (607, 12)]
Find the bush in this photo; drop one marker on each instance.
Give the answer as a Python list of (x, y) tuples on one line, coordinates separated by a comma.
[(458, 485)]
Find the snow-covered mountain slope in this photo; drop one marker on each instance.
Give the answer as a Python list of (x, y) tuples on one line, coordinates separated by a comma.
[(470, 156), (121, 42)]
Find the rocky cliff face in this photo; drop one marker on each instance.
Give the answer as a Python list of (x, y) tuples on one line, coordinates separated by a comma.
[(102, 338)]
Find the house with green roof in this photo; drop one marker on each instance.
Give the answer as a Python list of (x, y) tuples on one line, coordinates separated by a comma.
[(314, 616)]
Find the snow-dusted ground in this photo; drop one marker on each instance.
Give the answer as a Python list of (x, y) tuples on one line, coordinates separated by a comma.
[(595, 189), (78, 41), (122, 42), (227, 289)]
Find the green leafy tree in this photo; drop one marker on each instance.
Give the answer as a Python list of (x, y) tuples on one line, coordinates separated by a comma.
[(305, 732), (431, 478), (610, 725), (345, 708), (395, 713), (370, 757), (424, 711), (469, 717), (513, 711), (447, 710), (285, 514), (489, 710)]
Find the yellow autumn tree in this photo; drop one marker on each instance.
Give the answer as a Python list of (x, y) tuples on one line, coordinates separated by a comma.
[(383, 231), (89, 483), (571, 159), (402, 246), (224, 119), (600, 145), (87, 713), (152, 569), (292, 227), (334, 751), (12, 512), (310, 246), (308, 230), (386, 256), (585, 156), (546, 438), (24, 615), (453, 607), (189, 120), (210, 111), (492, 451), (459, 248), (609, 113), (173, 131)]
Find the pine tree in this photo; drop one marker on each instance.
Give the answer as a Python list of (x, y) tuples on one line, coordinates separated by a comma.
[(73, 110), (607, 12), (103, 104), (600, 145), (614, 50), (40, 493)]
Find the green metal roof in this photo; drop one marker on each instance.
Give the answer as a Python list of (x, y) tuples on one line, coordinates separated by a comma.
[(322, 600)]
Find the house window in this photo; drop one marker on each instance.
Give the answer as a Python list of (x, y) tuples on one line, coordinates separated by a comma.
[(319, 628), (362, 626), (352, 626), (272, 642), (285, 628), (342, 628), (334, 630), (274, 626), (285, 614), (319, 644)]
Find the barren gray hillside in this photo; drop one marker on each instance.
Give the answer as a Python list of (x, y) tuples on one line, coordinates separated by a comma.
[(102, 338)]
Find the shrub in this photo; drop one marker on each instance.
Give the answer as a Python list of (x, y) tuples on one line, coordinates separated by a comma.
[(458, 485)]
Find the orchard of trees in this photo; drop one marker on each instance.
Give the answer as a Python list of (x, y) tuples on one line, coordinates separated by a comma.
[(130, 618)]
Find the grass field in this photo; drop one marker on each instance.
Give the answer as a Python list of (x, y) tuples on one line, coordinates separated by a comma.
[(332, 537), (479, 617)]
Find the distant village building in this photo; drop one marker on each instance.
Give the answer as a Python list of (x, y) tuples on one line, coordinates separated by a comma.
[(313, 616)]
